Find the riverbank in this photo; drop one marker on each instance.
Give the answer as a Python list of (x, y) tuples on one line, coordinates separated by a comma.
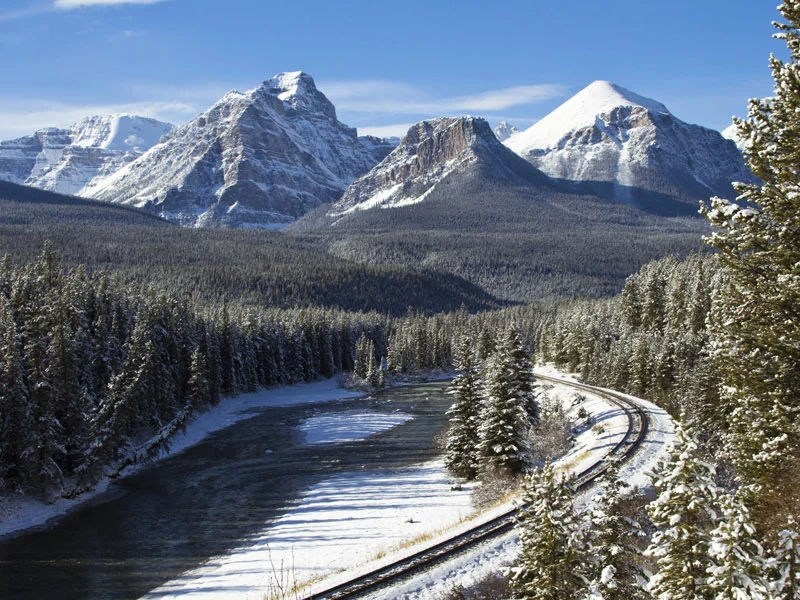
[(19, 513)]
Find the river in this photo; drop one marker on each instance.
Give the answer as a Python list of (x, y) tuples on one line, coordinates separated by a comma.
[(164, 520)]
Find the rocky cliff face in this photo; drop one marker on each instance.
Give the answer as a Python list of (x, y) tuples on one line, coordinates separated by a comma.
[(75, 160), (606, 133), (258, 159)]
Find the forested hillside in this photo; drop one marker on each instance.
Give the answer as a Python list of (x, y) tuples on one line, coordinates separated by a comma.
[(259, 268), (515, 242)]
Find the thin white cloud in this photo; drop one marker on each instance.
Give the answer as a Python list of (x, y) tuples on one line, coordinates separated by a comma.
[(173, 103), (72, 4), (64, 5), (377, 96)]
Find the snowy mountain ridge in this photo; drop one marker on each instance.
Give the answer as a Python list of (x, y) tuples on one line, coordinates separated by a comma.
[(430, 152), (76, 160), (608, 134), (256, 159)]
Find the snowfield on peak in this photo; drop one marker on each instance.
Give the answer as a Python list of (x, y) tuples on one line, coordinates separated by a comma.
[(582, 110), (121, 132)]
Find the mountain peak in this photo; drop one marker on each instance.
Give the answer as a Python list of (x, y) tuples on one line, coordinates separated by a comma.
[(505, 130), (602, 96), (609, 135), (291, 83), (297, 91), (432, 151), (582, 110)]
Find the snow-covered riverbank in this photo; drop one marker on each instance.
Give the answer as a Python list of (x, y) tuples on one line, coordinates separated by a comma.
[(17, 513)]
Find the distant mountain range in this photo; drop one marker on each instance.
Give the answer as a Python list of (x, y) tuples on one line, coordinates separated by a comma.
[(75, 160), (267, 157)]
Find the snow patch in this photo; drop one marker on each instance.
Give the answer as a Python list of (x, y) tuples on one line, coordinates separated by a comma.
[(349, 426), (376, 200)]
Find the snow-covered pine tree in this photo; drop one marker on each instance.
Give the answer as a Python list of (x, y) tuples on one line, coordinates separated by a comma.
[(461, 455), (198, 389), (737, 570), (18, 441), (756, 317), (509, 407), (551, 562), (786, 564), (614, 558), (683, 514)]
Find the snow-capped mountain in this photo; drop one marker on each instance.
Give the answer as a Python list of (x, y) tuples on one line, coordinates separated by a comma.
[(75, 160), (606, 133), (256, 159), (430, 153), (505, 130), (731, 132)]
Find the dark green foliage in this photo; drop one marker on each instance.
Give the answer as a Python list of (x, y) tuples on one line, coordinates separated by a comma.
[(510, 407), (755, 323), (95, 374), (463, 439), (551, 564)]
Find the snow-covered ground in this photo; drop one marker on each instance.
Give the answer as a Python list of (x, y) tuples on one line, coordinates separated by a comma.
[(610, 424), (23, 513)]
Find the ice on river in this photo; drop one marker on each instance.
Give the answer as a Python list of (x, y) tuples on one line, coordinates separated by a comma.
[(349, 426)]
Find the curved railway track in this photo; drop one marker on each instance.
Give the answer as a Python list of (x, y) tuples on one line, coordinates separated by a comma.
[(638, 425)]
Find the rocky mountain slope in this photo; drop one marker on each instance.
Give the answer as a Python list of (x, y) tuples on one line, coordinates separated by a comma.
[(75, 160), (607, 134), (430, 153), (258, 159)]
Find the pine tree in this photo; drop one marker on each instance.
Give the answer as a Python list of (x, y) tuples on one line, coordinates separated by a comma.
[(550, 565), (786, 564), (613, 553), (510, 407), (18, 443), (737, 571), (683, 514), (461, 456), (198, 389), (756, 315)]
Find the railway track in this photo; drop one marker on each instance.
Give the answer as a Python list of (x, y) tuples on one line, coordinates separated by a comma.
[(638, 425)]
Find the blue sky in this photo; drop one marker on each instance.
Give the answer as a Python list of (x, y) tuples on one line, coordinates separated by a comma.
[(384, 64)]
